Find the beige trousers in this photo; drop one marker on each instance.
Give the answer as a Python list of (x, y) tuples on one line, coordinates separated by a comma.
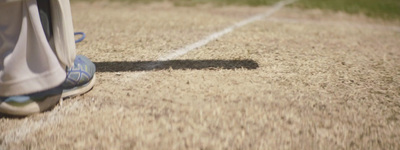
[(28, 62)]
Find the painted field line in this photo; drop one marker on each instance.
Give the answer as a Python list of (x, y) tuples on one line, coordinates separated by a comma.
[(229, 29), (19, 134), (216, 35)]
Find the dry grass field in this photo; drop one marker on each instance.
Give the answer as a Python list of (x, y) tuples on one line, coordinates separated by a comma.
[(297, 79)]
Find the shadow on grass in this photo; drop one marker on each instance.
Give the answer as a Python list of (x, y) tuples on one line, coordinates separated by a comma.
[(122, 66), (6, 116)]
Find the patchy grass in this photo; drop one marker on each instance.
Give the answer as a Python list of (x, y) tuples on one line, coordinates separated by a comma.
[(386, 9), (227, 2)]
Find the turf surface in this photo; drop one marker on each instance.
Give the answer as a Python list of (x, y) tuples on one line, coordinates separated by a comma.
[(385, 9)]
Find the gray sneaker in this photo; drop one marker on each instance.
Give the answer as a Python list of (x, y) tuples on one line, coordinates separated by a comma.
[(80, 79)]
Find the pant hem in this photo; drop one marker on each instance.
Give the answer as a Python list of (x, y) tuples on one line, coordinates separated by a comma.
[(38, 83)]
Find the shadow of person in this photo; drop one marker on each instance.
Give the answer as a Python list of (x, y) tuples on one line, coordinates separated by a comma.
[(123, 66)]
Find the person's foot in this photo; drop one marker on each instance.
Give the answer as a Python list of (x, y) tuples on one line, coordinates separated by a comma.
[(80, 79)]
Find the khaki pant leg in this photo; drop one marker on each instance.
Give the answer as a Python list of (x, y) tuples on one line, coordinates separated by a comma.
[(27, 62), (63, 31)]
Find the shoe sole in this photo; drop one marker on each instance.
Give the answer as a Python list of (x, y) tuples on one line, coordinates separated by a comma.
[(79, 90), (31, 108), (49, 102)]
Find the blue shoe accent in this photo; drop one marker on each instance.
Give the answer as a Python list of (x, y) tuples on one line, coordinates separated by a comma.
[(81, 73), (22, 100), (80, 79), (23, 105), (83, 36)]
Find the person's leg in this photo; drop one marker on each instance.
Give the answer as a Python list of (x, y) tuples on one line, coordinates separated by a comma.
[(45, 17), (36, 83), (63, 31), (80, 71), (27, 61)]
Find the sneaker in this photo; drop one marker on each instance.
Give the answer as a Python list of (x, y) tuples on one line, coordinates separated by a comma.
[(80, 79)]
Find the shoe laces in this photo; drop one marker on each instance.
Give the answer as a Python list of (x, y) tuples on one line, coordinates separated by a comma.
[(83, 35)]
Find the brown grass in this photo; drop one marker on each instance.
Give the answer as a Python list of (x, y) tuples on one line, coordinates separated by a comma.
[(316, 85)]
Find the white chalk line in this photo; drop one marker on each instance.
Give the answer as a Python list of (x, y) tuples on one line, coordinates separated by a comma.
[(20, 133), (229, 29), (216, 35)]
